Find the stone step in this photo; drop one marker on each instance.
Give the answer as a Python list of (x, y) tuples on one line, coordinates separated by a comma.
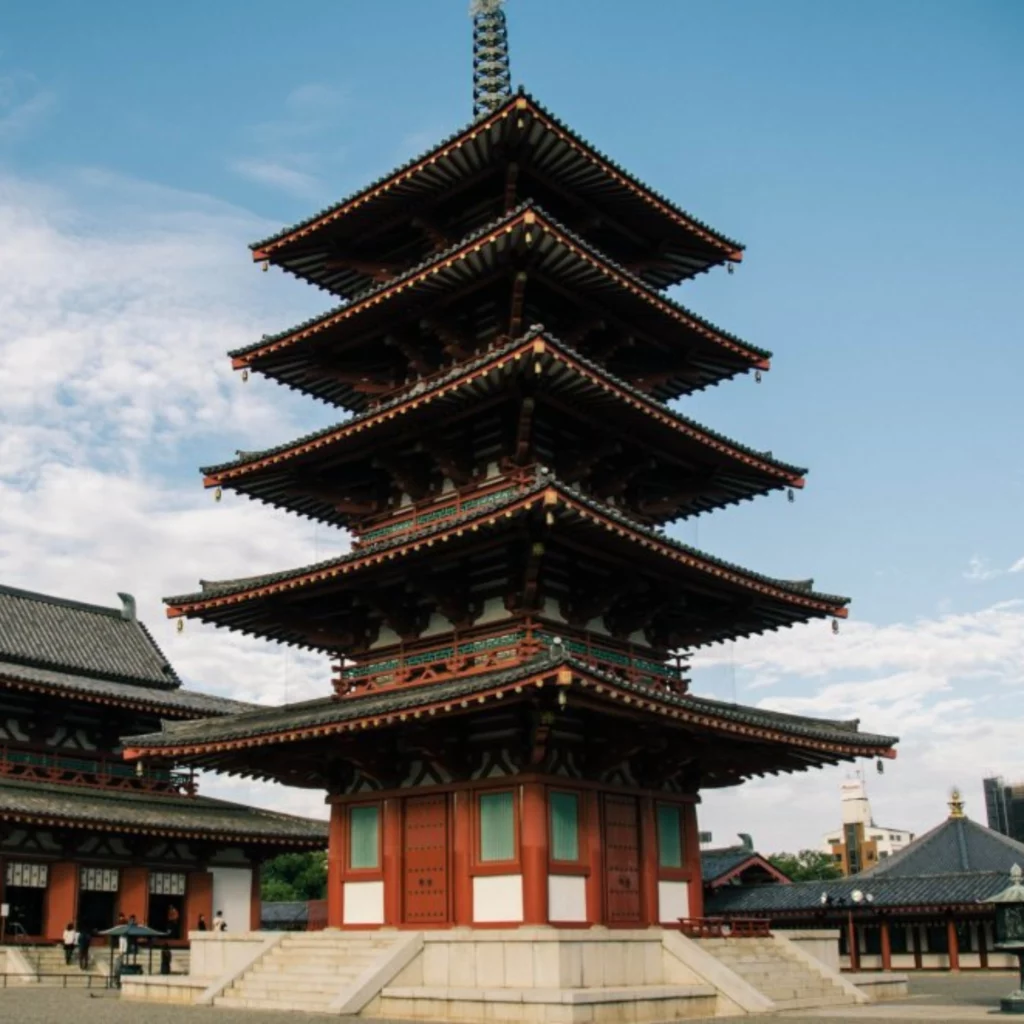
[(299, 996), (264, 982), (243, 1003), (810, 1002)]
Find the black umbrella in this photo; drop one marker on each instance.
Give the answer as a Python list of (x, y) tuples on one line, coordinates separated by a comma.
[(131, 930)]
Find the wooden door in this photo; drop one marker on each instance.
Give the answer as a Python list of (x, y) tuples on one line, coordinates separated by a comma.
[(425, 871), (622, 860)]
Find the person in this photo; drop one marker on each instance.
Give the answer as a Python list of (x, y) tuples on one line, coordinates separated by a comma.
[(133, 942), (83, 949), (219, 924), (69, 940), (172, 921), (201, 923)]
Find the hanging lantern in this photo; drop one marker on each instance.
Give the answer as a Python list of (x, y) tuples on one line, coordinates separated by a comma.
[(790, 496), (245, 374), (266, 266), (730, 269), (217, 494), (835, 625), (181, 625), (757, 376)]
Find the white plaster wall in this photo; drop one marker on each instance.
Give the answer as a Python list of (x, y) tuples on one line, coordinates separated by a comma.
[(498, 898), (232, 893), (363, 903), (213, 954), (673, 901), (567, 898)]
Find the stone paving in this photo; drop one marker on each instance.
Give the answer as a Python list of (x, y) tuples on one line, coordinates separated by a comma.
[(939, 998)]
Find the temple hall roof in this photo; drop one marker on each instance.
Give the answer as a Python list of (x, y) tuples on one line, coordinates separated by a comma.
[(39, 802), (81, 639)]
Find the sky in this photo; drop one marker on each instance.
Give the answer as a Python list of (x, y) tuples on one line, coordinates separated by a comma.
[(871, 157)]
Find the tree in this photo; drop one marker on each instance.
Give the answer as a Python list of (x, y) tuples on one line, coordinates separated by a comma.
[(294, 876), (806, 866)]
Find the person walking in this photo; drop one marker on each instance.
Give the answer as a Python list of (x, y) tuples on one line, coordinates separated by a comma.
[(83, 949), (69, 940), (201, 923), (219, 924)]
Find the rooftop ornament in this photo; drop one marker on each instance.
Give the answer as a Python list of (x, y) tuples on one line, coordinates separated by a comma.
[(1009, 906), (492, 79)]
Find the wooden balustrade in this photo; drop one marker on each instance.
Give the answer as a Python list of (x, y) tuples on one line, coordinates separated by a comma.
[(721, 928)]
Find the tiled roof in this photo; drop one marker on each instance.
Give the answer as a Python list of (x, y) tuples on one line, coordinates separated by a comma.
[(276, 914), (152, 814), (81, 639), (328, 711), (804, 898), (455, 373), (715, 863), (224, 588), (178, 702), (957, 845)]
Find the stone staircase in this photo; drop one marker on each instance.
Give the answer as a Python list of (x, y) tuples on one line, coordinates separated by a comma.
[(772, 968), (50, 969), (306, 971)]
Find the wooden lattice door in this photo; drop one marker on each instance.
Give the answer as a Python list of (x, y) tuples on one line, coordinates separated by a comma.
[(425, 871), (622, 859)]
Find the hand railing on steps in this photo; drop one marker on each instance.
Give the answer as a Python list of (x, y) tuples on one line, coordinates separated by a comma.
[(722, 928)]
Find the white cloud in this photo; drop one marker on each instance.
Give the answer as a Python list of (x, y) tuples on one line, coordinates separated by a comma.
[(288, 179), (23, 104)]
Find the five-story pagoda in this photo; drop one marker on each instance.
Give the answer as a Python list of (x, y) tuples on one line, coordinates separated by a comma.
[(511, 738)]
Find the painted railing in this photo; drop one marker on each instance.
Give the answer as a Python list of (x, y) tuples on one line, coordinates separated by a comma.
[(99, 771), (720, 928), (484, 648), (445, 506)]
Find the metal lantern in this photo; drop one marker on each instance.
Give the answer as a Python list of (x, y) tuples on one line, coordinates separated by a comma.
[(1009, 905)]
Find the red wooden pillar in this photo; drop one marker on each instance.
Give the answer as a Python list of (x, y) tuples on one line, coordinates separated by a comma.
[(336, 843), (61, 899), (255, 898), (133, 894), (595, 856), (462, 852), (691, 837), (915, 939), (198, 899), (852, 941), (391, 861), (954, 945), (534, 844), (648, 862), (883, 927), (983, 945)]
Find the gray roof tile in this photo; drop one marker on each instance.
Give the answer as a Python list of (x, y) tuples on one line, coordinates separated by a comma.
[(83, 639)]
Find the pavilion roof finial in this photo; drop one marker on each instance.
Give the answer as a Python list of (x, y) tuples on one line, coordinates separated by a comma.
[(492, 80), (956, 804)]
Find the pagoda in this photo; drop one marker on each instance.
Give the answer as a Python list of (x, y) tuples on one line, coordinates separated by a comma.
[(511, 738)]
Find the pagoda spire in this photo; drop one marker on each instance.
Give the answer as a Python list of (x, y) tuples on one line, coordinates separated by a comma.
[(492, 80)]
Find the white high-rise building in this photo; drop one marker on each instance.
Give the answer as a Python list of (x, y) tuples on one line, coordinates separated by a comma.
[(860, 843)]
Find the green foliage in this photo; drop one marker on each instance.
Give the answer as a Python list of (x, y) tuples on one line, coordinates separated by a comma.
[(806, 866), (295, 876)]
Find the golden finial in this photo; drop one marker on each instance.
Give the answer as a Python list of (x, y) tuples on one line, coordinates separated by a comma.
[(956, 804)]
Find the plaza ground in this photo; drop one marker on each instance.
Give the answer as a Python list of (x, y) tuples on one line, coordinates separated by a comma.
[(939, 998)]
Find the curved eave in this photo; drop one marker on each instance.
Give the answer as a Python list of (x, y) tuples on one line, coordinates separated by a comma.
[(264, 475), (557, 151), (823, 742), (236, 604), (530, 227)]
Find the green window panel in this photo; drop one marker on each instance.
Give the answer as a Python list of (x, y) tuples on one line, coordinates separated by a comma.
[(497, 827), (670, 836), (364, 847), (565, 826)]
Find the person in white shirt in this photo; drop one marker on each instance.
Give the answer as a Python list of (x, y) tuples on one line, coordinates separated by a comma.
[(69, 940), (219, 924)]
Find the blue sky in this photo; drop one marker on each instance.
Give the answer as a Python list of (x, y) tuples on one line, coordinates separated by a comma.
[(870, 155)]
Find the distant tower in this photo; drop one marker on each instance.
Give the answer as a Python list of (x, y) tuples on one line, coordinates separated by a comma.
[(492, 80)]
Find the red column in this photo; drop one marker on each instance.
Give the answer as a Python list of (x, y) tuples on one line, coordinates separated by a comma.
[(462, 851), (336, 844), (915, 939), (852, 940), (595, 856), (133, 894), (982, 945), (883, 927), (691, 836), (954, 945), (61, 899), (198, 899), (534, 846), (391, 860), (648, 862), (255, 898)]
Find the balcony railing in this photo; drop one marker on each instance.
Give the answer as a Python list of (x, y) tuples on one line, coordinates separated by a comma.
[(444, 506), (468, 652), (98, 771)]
